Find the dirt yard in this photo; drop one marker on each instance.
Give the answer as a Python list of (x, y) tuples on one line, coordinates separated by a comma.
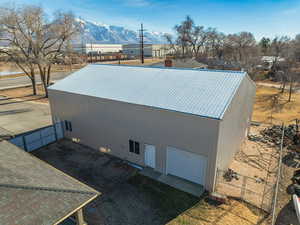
[(258, 159), (271, 106), (256, 164), (131, 199)]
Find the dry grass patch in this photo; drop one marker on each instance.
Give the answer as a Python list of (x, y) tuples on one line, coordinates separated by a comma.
[(208, 213), (271, 106), (179, 208), (25, 93)]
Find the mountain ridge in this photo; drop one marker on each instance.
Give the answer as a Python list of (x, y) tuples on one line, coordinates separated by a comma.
[(100, 33)]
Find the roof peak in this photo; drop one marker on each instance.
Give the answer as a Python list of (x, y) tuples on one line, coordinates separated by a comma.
[(167, 68)]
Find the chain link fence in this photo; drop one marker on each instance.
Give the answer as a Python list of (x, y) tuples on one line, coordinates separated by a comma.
[(260, 192), (257, 192)]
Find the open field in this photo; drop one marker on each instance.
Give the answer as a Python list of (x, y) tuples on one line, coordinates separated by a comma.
[(131, 199)]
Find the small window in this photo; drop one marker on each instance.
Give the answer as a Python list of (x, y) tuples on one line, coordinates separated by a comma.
[(131, 145), (68, 125), (134, 147)]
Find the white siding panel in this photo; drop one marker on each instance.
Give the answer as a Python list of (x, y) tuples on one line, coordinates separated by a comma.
[(186, 165)]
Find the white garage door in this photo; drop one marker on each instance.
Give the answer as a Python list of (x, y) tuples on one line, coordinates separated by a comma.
[(186, 165)]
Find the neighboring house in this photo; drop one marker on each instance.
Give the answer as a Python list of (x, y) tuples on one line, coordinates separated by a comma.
[(183, 122), (183, 63), (97, 48), (33, 192), (150, 50), (268, 61)]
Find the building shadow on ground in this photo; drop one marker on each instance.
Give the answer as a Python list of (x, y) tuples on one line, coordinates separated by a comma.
[(287, 215)]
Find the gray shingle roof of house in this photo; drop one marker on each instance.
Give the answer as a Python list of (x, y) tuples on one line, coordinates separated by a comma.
[(33, 192), (204, 93)]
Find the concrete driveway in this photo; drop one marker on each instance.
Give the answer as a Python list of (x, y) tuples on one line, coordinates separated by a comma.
[(19, 116)]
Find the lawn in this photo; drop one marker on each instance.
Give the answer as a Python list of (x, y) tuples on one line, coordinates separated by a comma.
[(179, 208), (271, 106)]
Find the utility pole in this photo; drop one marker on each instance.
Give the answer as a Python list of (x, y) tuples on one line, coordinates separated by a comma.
[(142, 43), (81, 37)]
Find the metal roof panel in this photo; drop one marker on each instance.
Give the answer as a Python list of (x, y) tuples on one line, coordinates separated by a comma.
[(203, 92)]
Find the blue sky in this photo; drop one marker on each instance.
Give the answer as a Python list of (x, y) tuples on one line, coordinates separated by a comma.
[(261, 17)]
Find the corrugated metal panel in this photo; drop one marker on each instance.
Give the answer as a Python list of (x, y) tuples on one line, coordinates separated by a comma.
[(200, 92)]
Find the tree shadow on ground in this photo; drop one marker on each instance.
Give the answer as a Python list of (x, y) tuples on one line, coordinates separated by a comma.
[(272, 102), (11, 100), (14, 111)]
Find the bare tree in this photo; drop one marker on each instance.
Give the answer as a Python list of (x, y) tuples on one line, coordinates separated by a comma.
[(279, 46), (34, 38), (15, 25), (175, 49), (196, 36), (265, 45), (52, 43), (241, 42), (215, 42)]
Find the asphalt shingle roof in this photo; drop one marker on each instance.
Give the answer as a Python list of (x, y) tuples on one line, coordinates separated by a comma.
[(205, 93), (33, 192)]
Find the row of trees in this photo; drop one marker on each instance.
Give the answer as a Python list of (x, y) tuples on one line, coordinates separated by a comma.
[(191, 40), (239, 50), (196, 41), (34, 42)]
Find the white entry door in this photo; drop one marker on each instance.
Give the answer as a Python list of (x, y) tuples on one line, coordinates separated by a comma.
[(150, 155), (186, 165)]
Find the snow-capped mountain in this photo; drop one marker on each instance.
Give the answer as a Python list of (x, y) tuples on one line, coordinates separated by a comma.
[(110, 34)]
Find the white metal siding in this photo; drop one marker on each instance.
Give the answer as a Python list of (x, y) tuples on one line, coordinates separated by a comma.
[(110, 124), (186, 165)]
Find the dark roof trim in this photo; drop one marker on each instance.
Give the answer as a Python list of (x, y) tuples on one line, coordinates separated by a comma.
[(75, 210), (47, 189)]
